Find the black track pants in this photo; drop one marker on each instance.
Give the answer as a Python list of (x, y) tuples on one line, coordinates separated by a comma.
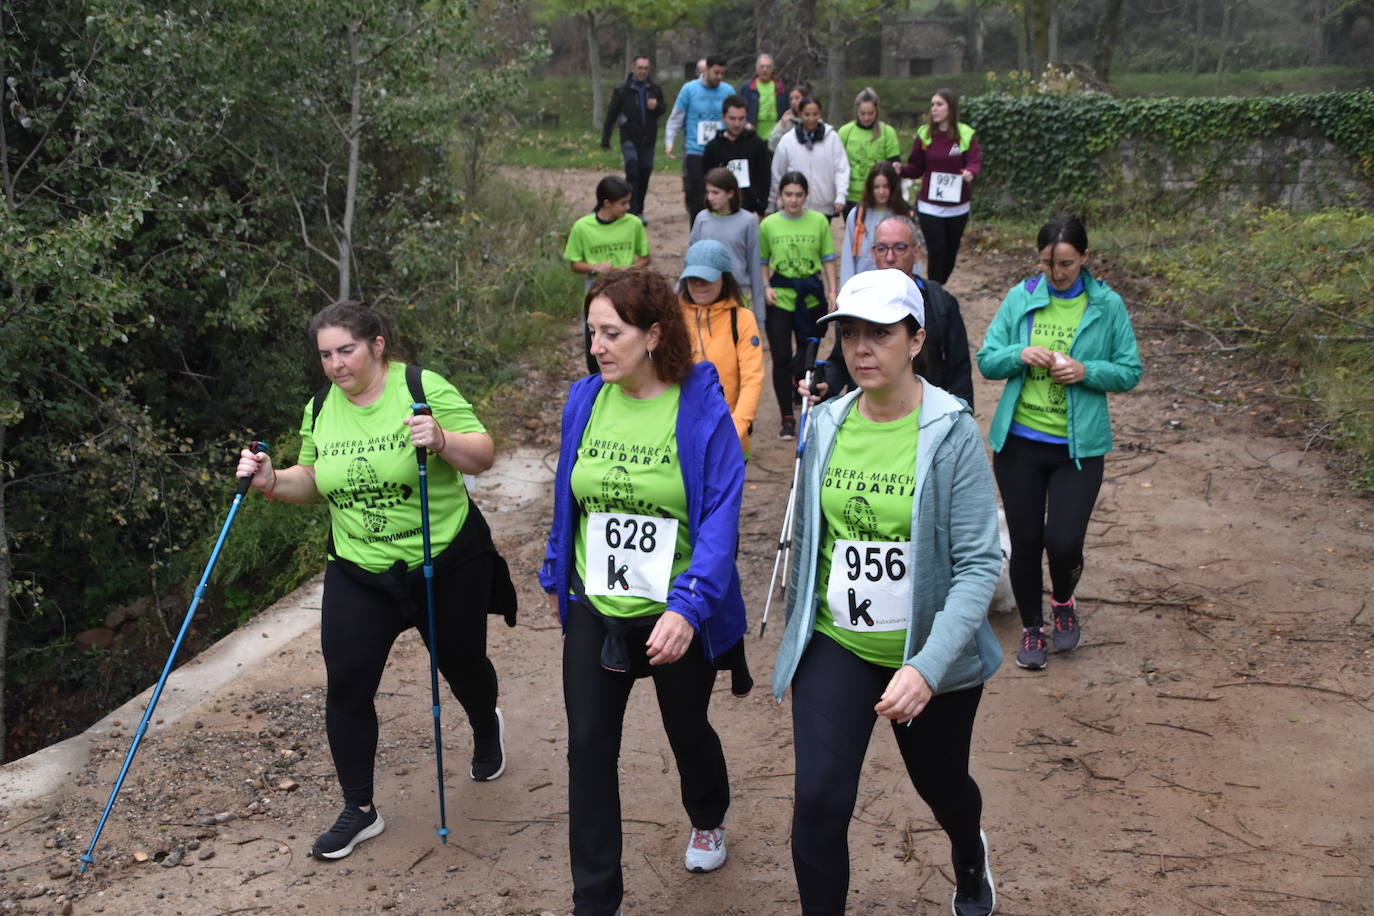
[(595, 699), (1032, 475), (358, 626), (943, 235), (782, 327), (833, 694)]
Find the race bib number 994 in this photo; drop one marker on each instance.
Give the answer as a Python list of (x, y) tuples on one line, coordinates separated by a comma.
[(870, 586), (630, 555)]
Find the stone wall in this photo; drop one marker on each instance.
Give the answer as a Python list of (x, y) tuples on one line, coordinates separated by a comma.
[(1298, 171)]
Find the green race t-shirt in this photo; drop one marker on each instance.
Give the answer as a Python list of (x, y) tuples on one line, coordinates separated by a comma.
[(1044, 404), (863, 151), (768, 107), (866, 497), (632, 539), (795, 248), (365, 467), (620, 242)]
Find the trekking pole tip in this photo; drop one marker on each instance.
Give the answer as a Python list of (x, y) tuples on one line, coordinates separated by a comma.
[(443, 835)]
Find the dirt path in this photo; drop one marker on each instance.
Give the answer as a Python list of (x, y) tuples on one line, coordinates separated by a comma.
[(1206, 750)]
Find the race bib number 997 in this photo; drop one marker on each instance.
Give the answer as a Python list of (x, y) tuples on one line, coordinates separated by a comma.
[(630, 555), (870, 586), (946, 187)]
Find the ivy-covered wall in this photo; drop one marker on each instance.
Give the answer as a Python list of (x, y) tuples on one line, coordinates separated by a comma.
[(1096, 152)]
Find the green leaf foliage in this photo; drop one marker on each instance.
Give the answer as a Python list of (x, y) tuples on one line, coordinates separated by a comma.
[(1054, 151)]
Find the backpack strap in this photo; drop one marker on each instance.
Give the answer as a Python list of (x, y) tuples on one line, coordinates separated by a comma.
[(415, 384), (734, 325), (317, 404)]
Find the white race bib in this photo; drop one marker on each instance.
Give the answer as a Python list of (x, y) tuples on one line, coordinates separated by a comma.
[(870, 586), (946, 187), (707, 130), (740, 169), (630, 555)]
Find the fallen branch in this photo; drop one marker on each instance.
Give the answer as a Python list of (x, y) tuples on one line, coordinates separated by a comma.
[(424, 855), (1182, 728), (1230, 834), (1331, 690), (1164, 694), (1179, 785)]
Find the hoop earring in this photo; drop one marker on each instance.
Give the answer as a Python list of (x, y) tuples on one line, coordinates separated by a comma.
[(651, 355)]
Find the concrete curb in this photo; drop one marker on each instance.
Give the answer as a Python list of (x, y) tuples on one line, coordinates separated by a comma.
[(51, 768)]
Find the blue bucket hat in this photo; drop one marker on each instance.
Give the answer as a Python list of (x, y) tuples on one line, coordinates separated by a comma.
[(707, 260)]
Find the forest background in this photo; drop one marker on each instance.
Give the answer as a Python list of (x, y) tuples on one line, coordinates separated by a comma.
[(183, 187)]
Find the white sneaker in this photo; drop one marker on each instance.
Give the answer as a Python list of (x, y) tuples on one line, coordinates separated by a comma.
[(706, 850)]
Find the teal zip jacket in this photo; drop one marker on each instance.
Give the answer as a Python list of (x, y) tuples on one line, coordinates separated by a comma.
[(955, 554), (1105, 345)]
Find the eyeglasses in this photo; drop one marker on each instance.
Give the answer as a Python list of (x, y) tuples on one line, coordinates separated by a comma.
[(898, 249)]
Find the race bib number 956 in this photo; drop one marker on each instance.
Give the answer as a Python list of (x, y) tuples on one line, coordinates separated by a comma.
[(870, 586), (630, 555)]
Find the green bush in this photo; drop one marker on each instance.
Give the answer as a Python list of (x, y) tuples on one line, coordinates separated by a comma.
[(1052, 151)]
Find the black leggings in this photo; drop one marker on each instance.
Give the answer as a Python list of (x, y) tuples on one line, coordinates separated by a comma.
[(943, 235), (595, 699), (782, 327), (833, 694), (358, 625), (1030, 474)]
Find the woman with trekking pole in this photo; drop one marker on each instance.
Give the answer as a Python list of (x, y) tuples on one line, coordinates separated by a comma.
[(640, 570), (1062, 340), (358, 436), (897, 557)]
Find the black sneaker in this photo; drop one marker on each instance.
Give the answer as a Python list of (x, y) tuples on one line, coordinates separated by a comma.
[(1066, 630), (1032, 652), (489, 752), (353, 826), (974, 892), (789, 427)]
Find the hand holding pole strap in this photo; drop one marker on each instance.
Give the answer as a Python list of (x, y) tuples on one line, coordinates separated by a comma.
[(257, 447)]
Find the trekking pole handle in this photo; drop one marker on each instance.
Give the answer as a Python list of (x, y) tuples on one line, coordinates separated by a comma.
[(421, 409), (256, 447)]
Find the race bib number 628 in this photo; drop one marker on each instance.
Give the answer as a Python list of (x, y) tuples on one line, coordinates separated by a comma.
[(870, 587), (630, 555)]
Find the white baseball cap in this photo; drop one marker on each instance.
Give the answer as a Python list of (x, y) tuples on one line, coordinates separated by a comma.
[(880, 296)]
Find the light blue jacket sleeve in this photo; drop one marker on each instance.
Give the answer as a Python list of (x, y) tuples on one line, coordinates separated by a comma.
[(976, 558)]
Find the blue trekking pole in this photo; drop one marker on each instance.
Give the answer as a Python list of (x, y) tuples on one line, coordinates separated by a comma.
[(422, 458), (785, 538), (244, 483)]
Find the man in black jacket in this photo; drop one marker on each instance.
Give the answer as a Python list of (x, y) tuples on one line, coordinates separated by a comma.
[(944, 360), (635, 106), (743, 152)]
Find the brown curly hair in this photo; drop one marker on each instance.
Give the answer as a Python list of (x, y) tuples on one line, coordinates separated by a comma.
[(642, 297)]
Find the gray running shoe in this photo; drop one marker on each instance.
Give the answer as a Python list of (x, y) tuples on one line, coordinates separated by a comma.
[(1032, 652), (1066, 630)]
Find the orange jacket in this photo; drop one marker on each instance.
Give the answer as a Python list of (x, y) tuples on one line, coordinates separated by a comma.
[(735, 350)]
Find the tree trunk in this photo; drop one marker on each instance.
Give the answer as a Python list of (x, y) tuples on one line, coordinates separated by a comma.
[(1052, 39), (1108, 28), (834, 70), (1228, 18), (594, 61), (4, 602), (344, 233), (1037, 16), (1320, 10), (1198, 28), (973, 36)]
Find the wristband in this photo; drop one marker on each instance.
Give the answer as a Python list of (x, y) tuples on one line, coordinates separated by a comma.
[(272, 489)]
